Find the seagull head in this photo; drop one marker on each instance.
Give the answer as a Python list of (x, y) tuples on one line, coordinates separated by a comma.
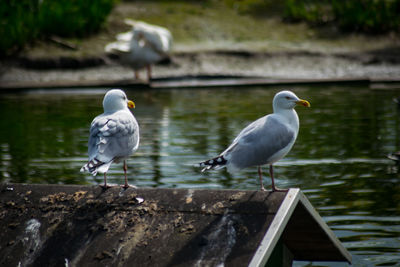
[(288, 100), (115, 100)]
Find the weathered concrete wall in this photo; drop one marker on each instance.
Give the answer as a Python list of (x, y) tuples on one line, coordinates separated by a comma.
[(55, 225)]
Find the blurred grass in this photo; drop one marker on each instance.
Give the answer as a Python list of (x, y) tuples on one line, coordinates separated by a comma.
[(17, 24), (73, 17), (22, 21), (211, 21), (368, 16), (199, 24)]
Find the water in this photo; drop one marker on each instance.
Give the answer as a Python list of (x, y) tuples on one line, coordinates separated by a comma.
[(339, 159)]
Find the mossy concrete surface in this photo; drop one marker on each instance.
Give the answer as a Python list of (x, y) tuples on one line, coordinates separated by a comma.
[(70, 225)]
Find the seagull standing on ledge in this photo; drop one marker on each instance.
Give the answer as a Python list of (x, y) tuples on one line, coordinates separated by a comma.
[(264, 141), (141, 47), (114, 135)]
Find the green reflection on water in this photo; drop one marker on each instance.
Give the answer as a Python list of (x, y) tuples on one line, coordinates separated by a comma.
[(339, 159)]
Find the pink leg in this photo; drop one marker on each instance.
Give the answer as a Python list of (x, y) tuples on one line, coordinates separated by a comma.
[(136, 75), (148, 73), (126, 185), (275, 189), (105, 186), (261, 179)]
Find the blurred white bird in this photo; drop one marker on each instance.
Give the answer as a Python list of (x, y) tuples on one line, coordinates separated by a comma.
[(114, 135), (141, 47)]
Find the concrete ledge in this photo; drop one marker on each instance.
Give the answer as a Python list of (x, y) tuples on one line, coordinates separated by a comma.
[(199, 82)]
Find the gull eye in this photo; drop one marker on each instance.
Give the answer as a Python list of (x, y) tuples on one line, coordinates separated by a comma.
[(287, 97)]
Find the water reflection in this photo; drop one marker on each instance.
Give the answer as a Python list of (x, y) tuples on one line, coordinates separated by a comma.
[(339, 160)]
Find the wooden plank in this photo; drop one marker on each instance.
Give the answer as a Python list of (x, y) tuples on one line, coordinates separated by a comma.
[(305, 232), (281, 256), (332, 237), (276, 229)]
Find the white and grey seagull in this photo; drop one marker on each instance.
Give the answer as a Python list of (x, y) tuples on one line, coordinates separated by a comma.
[(264, 141), (114, 135), (143, 46)]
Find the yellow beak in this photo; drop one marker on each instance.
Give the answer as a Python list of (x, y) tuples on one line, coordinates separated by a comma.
[(303, 103), (131, 104)]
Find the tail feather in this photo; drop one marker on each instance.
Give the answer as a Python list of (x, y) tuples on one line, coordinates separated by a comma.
[(394, 156), (92, 166), (215, 163)]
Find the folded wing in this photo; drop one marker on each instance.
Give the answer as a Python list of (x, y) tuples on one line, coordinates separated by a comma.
[(111, 138), (258, 142)]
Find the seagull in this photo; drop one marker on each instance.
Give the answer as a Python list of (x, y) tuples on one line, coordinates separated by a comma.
[(114, 135), (141, 47), (264, 141), (395, 156)]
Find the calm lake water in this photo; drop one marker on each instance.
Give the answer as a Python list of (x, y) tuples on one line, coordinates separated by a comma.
[(339, 159)]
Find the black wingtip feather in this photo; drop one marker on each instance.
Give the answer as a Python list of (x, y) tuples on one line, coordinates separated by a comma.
[(92, 166), (219, 161)]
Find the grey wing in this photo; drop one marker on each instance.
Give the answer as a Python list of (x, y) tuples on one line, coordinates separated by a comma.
[(258, 142), (113, 136)]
